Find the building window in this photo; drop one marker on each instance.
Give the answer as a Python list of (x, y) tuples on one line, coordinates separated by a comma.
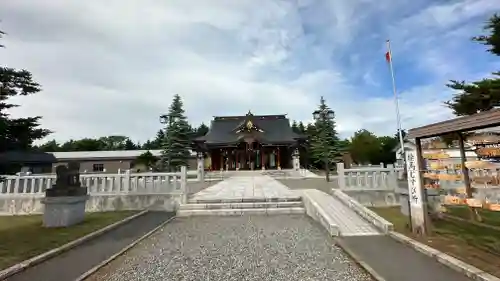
[(98, 167)]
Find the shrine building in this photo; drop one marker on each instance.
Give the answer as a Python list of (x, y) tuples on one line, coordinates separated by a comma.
[(248, 142)]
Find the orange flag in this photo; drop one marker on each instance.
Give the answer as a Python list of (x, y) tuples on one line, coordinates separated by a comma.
[(388, 55)]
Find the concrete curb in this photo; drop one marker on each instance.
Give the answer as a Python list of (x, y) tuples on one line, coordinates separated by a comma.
[(359, 261), (122, 251), (6, 273), (447, 260), (364, 212)]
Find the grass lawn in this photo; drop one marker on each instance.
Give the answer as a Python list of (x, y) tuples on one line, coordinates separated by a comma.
[(476, 245), (23, 237), (488, 217)]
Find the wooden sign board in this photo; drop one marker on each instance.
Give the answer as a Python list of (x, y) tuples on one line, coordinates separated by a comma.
[(453, 200), (488, 152), (494, 207), (475, 203), (436, 155)]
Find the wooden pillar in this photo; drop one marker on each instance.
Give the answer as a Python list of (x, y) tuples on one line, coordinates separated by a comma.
[(278, 158), (212, 159), (247, 156), (261, 157), (237, 159), (474, 214), (465, 171), (221, 160)]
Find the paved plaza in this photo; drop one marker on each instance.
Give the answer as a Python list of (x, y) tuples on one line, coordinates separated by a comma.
[(246, 187), (244, 248)]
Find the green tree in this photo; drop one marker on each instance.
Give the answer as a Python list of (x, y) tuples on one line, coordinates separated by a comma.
[(325, 143), (344, 145), (50, 146), (1, 35), (176, 147), (148, 160), (17, 133), (387, 145), (301, 127), (157, 142), (481, 95), (492, 39), (201, 130), (295, 127), (365, 147)]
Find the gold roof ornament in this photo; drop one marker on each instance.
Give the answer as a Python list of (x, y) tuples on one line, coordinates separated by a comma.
[(249, 125)]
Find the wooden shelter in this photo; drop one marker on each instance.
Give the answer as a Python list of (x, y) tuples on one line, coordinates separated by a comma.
[(458, 126)]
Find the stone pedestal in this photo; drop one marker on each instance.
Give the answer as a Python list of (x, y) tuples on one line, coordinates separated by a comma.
[(63, 211)]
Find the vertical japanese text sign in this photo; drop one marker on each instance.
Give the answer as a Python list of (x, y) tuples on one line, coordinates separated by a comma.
[(414, 184)]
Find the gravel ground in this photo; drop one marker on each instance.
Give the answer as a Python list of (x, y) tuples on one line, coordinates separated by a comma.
[(319, 184), (290, 248)]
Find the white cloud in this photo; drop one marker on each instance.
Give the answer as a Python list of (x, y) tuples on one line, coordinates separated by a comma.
[(112, 67)]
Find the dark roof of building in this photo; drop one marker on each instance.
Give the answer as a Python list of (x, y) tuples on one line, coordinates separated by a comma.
[(274, 129), (27, 157)]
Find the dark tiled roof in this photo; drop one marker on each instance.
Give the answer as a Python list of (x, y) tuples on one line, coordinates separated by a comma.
[(276, 129), (27, 157)]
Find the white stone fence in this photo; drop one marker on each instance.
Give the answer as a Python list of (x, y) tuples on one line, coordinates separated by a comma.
[(99, 183), (371, 177), (21, 194)]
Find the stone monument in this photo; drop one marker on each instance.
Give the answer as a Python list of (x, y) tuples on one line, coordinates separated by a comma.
[(65, 200)]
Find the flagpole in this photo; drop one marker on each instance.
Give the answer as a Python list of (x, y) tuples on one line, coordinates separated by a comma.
[(396, 101)]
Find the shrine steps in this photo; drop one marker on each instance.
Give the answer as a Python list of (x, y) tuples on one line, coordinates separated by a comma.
[(238, 207)]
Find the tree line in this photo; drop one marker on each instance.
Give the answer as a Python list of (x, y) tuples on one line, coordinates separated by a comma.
[(364, 147), (116, 142)]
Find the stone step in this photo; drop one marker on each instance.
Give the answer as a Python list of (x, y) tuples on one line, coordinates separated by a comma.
[(246, 205), (244, 200), (240, 212)]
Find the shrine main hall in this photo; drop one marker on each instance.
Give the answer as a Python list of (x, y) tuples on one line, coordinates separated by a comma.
[(249, 142)]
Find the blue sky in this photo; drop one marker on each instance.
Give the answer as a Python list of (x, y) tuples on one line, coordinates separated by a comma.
[(112, 67)]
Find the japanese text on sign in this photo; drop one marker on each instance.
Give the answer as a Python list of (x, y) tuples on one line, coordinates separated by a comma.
[(414, 185)]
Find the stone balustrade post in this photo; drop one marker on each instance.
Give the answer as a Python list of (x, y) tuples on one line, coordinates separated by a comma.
[(183, 182), (341, 175)]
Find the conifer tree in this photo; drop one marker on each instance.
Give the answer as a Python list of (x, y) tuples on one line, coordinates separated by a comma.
[(176, 147), (325, 142), (481, 95)]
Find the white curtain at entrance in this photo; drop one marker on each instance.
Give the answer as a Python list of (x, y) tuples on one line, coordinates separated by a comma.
[(272, 160)]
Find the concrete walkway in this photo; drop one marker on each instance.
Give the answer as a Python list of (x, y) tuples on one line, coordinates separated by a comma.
[(347, 220), (73, 263), (395, 261)]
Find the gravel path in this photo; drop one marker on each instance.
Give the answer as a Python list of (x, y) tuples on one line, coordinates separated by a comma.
[(290, 248)]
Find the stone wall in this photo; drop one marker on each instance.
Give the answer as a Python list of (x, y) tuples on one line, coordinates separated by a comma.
[(26, 204)]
